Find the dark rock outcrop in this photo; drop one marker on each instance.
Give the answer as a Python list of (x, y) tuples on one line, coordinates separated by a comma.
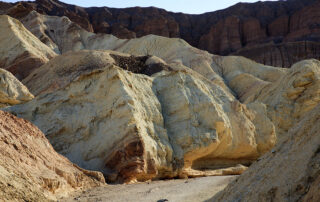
[(139, 64), (288, 30)]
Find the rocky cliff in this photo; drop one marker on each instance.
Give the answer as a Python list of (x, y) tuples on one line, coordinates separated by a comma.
[(147, 108), (62, 35), (273, 33)]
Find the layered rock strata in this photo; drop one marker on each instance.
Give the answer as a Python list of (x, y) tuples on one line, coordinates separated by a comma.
[(20, 51), (274, 33), (31, 170), (137, 127), (298, 154), (12, 91), (161, 108)]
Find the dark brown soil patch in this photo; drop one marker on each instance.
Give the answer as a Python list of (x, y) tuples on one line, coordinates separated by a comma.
[(137, 64)]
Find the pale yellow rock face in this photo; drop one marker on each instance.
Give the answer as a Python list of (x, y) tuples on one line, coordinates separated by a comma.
[(58, 33), (207, 113), (287, 93), (246, 77), (293, 95), (290, 172), (62, 35), (12, 91), (20, 50), (67, 68), (136, 127)]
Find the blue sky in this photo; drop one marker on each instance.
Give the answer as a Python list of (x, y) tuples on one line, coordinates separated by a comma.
[(186, 6)]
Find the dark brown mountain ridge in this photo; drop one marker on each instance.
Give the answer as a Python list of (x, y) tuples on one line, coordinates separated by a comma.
[(276, 33)]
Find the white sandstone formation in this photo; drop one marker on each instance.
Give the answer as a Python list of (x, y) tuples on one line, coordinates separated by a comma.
[(62, 36), (180, 112), (137, 127)]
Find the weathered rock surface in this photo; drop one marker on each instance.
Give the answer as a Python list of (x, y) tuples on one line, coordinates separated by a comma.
[(31, 170), (290, 172), (282, 55), (175, 123), (12, 91), (47, 79), (170, 139), (287, 93), (181, 112), (293, 95), (20, 50), (136, 127), (236, 77), (273, 33), (244, 77), (67, 36), (62, 36)]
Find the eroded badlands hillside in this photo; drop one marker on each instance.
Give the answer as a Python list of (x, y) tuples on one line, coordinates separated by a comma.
[(200, 115), (146, 108), (20, 51), (30, 169), (289, 173), (141, 127), (278, 33)]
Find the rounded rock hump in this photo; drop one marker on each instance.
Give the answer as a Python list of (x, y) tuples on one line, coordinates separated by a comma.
[(12, 91)]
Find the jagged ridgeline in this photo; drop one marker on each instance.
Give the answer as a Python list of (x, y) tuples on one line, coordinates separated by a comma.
[(278, 33)]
